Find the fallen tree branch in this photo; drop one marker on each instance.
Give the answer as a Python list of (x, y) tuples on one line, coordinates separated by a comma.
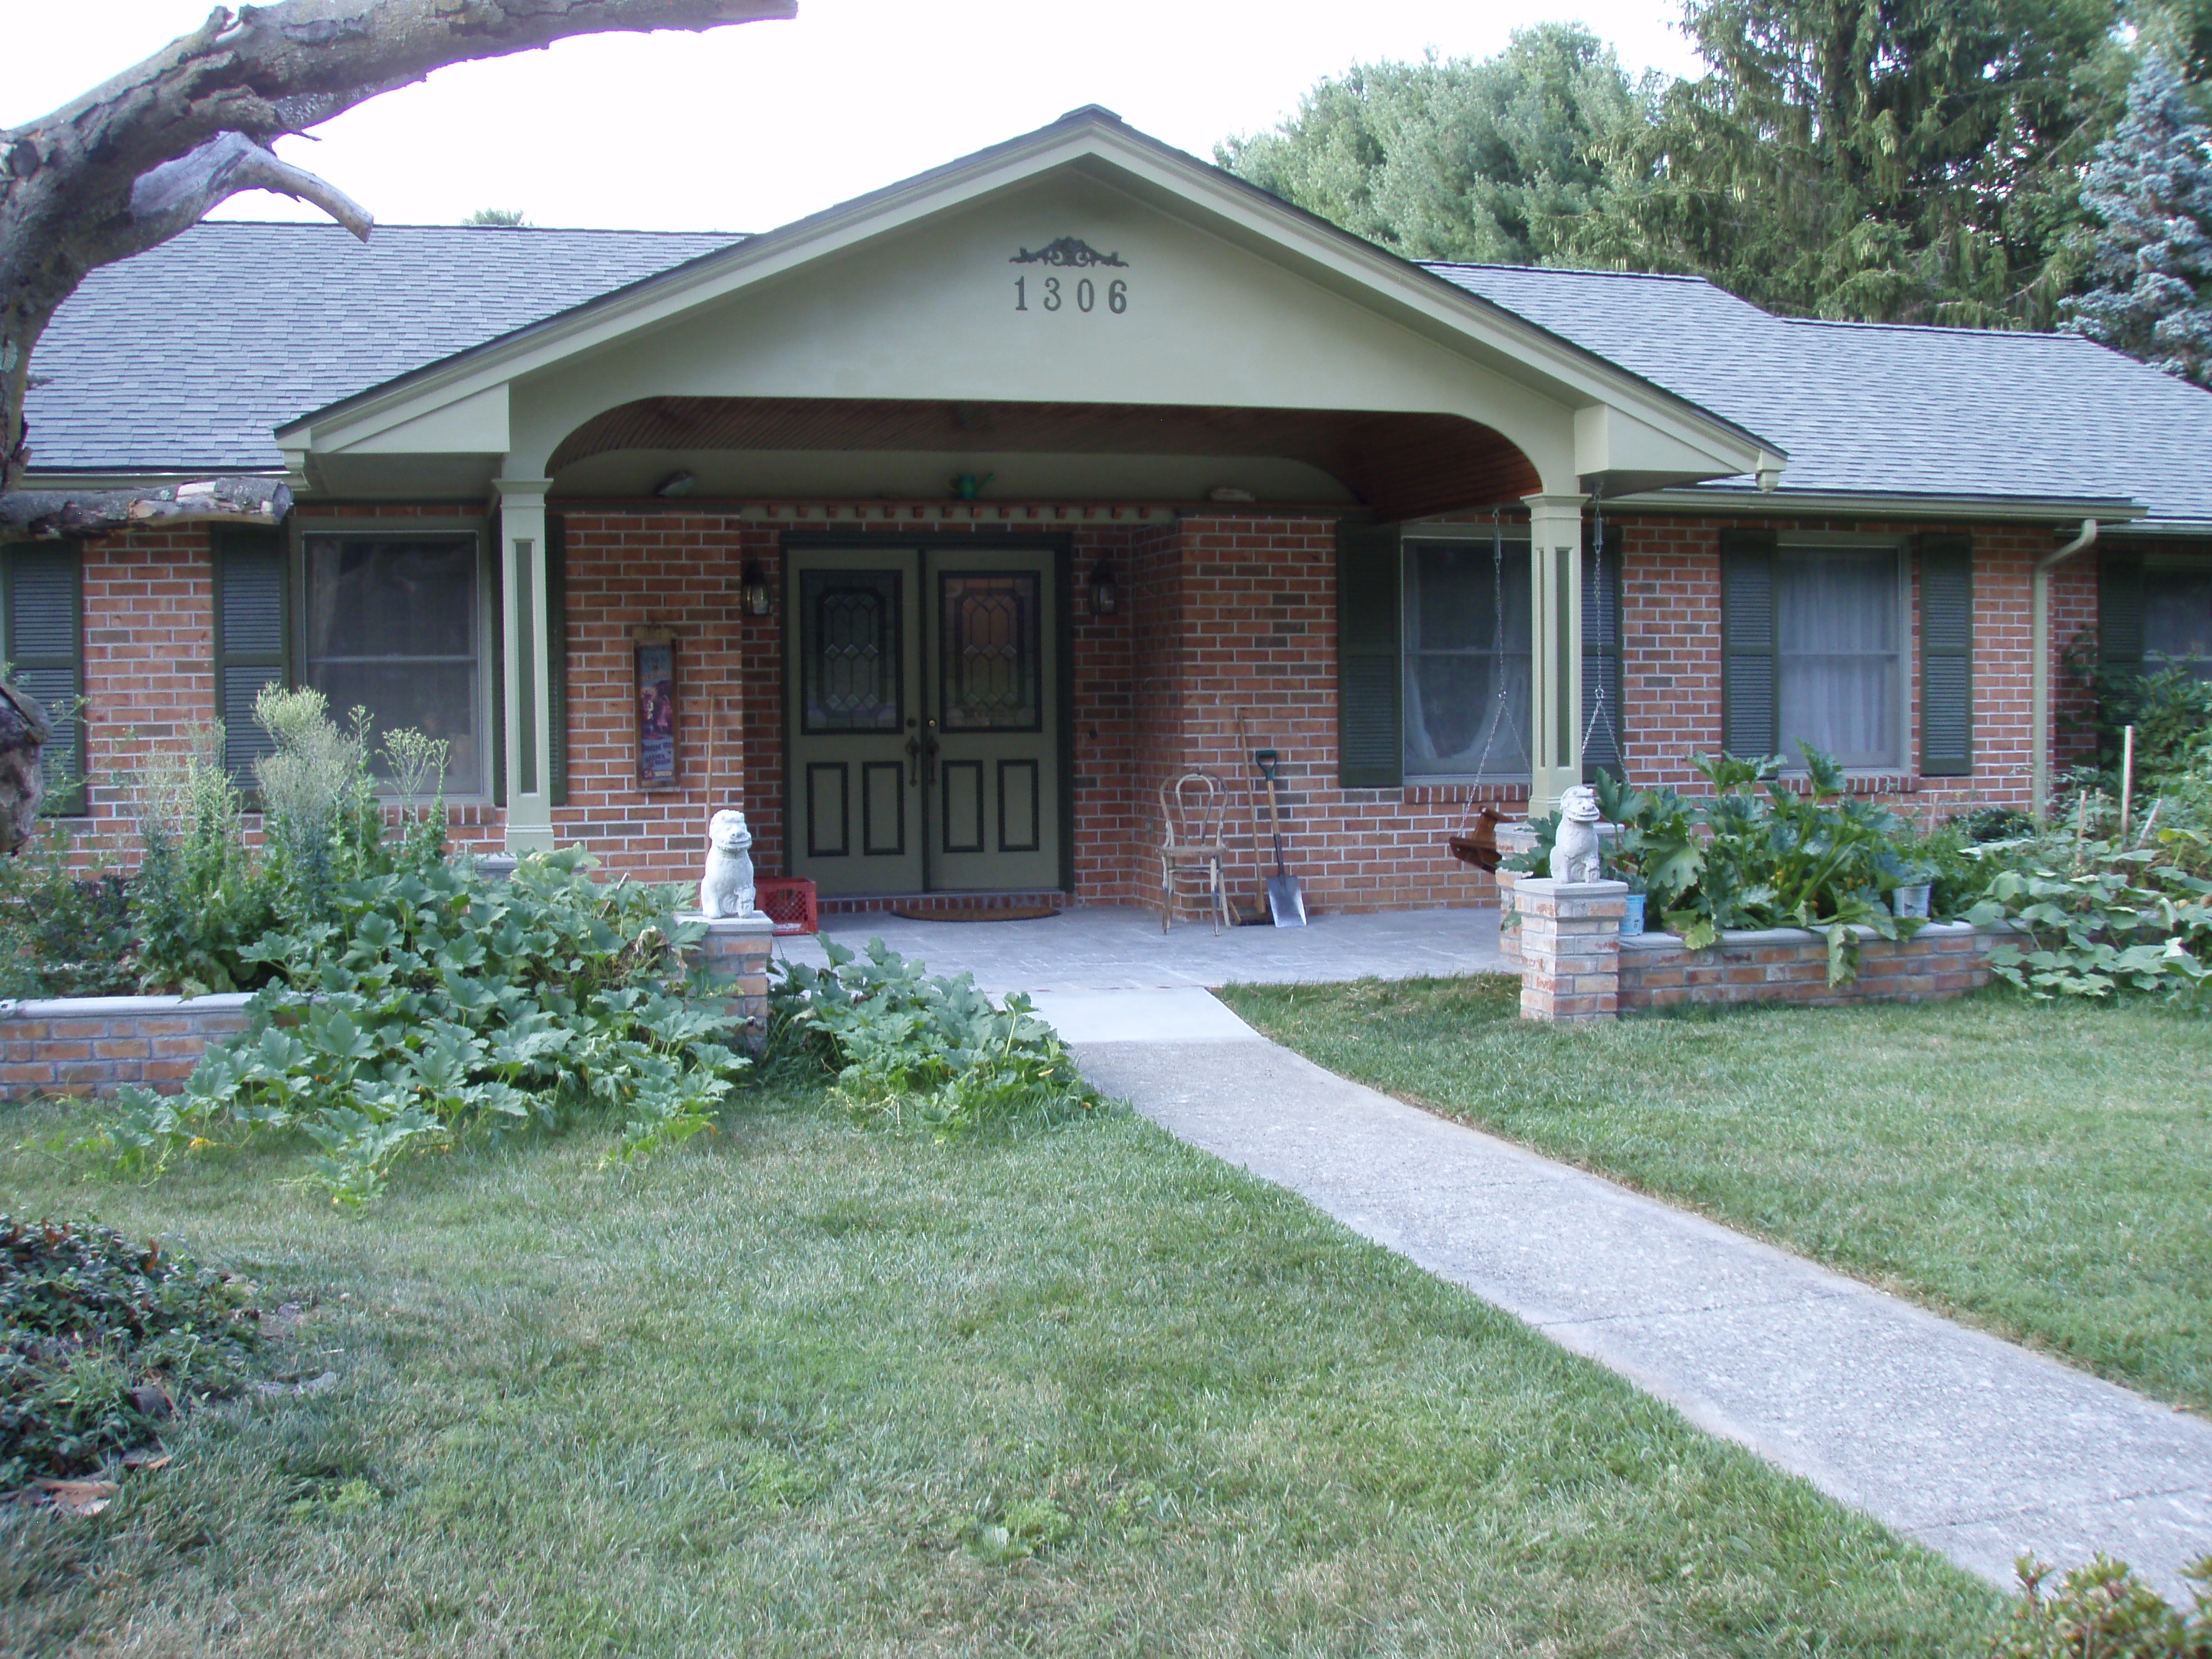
[(177, 195), (42, 514)]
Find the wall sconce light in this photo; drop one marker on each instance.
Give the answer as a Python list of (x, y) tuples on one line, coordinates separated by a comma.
[(1105, 597), (753, 590)]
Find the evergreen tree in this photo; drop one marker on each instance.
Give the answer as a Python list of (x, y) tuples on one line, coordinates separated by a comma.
[(1876, 160), (2150, 186), (1493, 160)]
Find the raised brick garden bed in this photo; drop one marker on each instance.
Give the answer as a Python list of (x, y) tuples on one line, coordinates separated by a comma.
[(94, 1045), (1575, 965)]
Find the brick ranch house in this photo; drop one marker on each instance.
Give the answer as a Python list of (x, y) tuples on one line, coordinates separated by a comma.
[(939, 529)]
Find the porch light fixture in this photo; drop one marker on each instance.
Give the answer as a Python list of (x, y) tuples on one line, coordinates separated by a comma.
[(1105, 597), (753, 589)]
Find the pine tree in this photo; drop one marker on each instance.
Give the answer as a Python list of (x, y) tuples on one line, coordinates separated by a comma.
[(2150, 184)]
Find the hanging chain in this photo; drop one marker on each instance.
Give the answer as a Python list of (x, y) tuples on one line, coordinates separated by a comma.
[(1599, 709), (1500, 702)]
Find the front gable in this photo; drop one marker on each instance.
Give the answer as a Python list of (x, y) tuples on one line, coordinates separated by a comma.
[(1084, 265)]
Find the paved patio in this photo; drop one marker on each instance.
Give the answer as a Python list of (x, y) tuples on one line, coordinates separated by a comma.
[(1107, 949)]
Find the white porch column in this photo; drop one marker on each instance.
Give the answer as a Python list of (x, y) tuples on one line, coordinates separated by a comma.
[(528, 685), (1555, 657)]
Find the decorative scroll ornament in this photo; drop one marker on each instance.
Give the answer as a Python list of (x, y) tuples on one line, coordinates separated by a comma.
[(1067, 251)]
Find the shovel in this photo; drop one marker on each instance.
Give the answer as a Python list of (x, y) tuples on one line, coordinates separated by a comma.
[(1286, 903)]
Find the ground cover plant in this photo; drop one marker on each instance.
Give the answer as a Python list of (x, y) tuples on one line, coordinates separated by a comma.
[(807, 1387), (910, 1049), (2015, 1163), (102, 1338)]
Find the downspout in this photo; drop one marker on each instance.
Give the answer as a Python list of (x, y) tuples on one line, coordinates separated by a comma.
[(2039, 666)]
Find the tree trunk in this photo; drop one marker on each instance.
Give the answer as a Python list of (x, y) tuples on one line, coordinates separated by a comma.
[(144, 156), (24, 731)]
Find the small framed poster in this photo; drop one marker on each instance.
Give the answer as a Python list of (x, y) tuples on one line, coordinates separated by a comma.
[(656, 710)]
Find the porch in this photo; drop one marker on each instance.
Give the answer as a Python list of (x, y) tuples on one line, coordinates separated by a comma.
[(1098, 948)]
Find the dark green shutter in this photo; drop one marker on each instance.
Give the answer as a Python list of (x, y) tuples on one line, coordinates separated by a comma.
[(556, 651), (2120, 610), (1749, 724), (252, 580), (1947, 656), (1606, 731), (44, 606), (1370, 751)]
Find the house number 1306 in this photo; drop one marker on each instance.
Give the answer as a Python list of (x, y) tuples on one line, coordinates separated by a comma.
[(1052, 295)]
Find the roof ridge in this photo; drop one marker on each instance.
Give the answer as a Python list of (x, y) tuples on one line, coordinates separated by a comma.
[(1949, 330), (564, 230), (1574, 270)]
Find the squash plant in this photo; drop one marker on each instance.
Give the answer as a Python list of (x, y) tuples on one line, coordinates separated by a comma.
[(435, 1002)]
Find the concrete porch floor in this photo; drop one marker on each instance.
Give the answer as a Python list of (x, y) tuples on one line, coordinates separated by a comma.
[(1107, 949)]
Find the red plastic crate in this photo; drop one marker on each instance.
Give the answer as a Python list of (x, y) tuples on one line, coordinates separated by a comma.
[(787, 901)]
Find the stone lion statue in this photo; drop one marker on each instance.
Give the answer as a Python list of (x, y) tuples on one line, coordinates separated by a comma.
[(1575, 855), (726, 889)]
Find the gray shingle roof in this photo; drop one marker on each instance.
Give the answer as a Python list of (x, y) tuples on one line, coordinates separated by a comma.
[(1938, 412), (188, 356), (191, 354)]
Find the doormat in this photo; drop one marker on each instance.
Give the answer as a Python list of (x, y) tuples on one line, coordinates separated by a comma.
[(976, 913)]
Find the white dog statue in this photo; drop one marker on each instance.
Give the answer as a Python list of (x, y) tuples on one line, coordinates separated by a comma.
[(1575, 850), (726, 889)]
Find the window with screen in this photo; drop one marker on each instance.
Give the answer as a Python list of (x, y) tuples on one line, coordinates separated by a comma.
[(396, 624)]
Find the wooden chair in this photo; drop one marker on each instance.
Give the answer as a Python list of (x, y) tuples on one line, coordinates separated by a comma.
[(1193, 838)]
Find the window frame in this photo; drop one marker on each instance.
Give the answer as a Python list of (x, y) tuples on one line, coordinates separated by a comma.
[(1906, 649), (491, 743)]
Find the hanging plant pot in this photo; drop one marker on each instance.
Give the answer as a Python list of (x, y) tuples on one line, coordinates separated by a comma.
[(1631, 919), (1910, 900)]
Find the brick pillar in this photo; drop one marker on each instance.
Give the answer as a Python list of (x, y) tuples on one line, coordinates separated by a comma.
[(1513, 839), (1569, 948), (735, 954)]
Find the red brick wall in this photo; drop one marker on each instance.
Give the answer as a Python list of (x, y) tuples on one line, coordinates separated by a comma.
[(1671, 653), (1218, 614)]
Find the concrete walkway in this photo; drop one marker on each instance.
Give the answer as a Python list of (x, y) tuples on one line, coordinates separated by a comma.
[(1977, 1449)]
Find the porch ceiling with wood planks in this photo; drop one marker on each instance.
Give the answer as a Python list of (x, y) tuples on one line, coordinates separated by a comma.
[(1401, 465)]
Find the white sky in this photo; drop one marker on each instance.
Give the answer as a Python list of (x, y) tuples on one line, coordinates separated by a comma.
[(755, 125)]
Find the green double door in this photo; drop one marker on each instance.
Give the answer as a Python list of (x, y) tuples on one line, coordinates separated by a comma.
[(922, 721)]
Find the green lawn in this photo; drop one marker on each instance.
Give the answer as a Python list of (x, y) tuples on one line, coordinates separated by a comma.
[(799, 1389), (2041, 1168)]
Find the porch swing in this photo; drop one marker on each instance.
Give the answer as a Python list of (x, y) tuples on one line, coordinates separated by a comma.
[(1475, 841)]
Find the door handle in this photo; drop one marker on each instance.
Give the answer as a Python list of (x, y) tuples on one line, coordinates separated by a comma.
[(912, 760), (929, 748)]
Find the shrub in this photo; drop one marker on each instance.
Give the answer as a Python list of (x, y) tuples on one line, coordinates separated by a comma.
[(104, 1337), (434, 1003), (198, 899), (63, 933), (2171, 710), (2102, 1611), (2102, 913), (912, 1049)]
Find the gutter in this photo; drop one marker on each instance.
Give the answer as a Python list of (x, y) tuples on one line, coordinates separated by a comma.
[(1726, 500), (2039, 660)]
